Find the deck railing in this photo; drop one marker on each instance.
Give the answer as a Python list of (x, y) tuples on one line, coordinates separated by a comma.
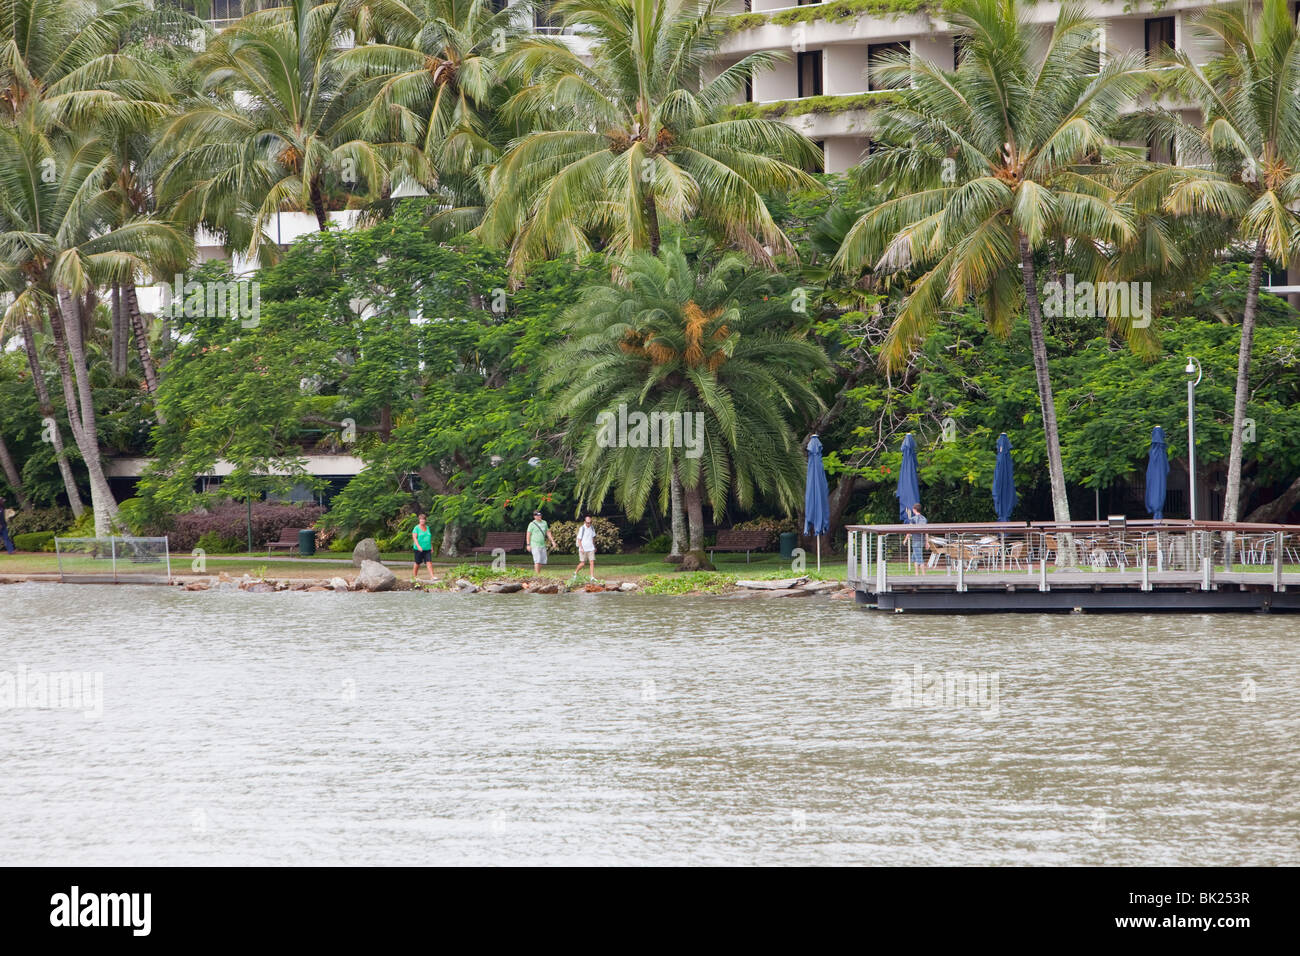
[(1154, 551)]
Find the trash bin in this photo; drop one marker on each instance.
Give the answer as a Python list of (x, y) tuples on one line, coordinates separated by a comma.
[(788, 540), (307, 542)]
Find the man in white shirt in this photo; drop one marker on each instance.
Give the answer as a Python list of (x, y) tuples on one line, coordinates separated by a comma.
[(586, 547)]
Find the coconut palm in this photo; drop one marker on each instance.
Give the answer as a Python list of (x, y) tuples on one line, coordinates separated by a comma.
[(59, 241), (988, 164), (634, 135), (276, 127), (672, 340), (439, 87), (1244, 163)]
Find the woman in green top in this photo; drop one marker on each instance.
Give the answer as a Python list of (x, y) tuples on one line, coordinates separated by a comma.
[(422, 545)]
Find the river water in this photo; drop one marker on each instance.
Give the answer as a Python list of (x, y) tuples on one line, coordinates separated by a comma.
[(413, 728)]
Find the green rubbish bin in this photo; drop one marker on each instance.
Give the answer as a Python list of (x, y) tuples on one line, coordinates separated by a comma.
[(788, 540), (307, 542)]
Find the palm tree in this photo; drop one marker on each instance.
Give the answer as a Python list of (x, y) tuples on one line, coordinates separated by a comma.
[(671, 340), (439, 86), (1250, 93), (634, 135), (59, 240), (989, 167), (276, 127)]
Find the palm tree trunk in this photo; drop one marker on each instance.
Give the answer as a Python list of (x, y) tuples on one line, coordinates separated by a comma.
[(11, 474), (678, 519), (318, 206), (1038, 341), (47, 413), (77, 392), (695, 516), (652, 223), (141, 336), (1232, 495), (118, 347)]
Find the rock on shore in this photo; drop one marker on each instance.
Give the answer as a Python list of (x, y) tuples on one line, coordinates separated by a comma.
[(375, 577)]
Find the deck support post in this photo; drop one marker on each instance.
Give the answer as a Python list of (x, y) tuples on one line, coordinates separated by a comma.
[(1146, 574), (882, 584), (1042, 574), (961, 571), (1207, 573), (1277, 562)]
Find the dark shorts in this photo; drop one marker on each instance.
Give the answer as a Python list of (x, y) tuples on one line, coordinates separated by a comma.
[(423, 557)]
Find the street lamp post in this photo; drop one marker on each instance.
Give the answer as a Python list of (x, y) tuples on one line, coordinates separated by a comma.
[(1193, 368)]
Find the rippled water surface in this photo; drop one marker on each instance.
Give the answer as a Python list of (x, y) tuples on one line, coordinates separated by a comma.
[(418, 728)]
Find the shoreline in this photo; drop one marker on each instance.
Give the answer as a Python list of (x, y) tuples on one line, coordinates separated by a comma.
[(339, 583)]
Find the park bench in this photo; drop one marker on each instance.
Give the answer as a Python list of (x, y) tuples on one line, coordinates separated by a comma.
[(288, 540), (729, 539), (507, 541)]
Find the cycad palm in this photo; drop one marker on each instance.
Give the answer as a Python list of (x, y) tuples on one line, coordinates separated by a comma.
[(634, 135), (672, 340), (1250, 94), (988, 166)]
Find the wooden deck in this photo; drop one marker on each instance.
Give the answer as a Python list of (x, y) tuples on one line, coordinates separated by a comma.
[(1082, 591)]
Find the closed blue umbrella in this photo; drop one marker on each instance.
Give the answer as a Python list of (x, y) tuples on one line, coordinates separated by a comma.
[(1157, 474), (909, 487), (816, 497), (1004, 480)]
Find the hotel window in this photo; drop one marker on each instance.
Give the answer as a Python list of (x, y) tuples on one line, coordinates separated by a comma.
[(1161, 149), (810, 73), (1160, 37), (544, 21), (818, 165), (749, 89), (878, 53)]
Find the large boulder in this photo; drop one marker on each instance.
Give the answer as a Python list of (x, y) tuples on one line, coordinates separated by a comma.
[(375, 577), (366, 550)]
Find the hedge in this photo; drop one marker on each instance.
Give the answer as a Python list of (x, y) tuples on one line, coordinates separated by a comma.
[(33, 540)]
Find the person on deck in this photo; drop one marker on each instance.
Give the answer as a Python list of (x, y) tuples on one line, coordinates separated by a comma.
[(535, 539), (917, 540), (422, 546)]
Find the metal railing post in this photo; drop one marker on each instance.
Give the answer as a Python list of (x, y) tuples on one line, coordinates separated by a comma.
[(1207, 574), (1042, 574), (961, 568), (1146, 575), (881, 571), (113, 545)]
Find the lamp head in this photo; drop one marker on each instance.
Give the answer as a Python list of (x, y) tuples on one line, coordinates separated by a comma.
[(1191, 369)]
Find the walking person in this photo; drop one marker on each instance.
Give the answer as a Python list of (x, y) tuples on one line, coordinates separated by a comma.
[(422, 546), (535, 539), (586, 547), (7, 541), (917, 540)]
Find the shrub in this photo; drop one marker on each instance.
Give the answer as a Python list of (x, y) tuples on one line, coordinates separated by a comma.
[(230, 520), (39, 519), (212, 542), (33, 540), (659, 544), (609, 540)]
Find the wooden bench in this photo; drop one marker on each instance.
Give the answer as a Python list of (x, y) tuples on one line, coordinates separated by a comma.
[(288, 540), (729, 539), (507, 541)]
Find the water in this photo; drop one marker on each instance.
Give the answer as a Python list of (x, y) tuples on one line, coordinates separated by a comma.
[(414, 728)]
